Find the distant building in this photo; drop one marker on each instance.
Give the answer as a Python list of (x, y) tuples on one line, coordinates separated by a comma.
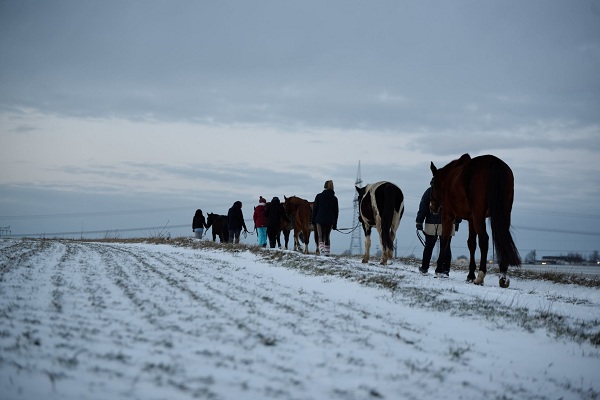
[(562, 260)]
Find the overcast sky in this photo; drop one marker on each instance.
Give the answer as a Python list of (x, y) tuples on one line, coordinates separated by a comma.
[(163, 107)]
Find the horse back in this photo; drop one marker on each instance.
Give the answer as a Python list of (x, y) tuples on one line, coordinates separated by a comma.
[(470, 187), (488, 179), (375, 198)]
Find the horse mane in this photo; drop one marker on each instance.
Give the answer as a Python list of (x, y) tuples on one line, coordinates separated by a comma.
[(458, 162)]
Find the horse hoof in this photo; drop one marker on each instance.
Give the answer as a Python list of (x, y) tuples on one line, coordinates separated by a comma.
[(470, 280), (504, 282), (480, 277)]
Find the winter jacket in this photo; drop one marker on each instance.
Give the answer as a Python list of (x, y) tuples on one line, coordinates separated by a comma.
[(432, 221), (235, 218), (424, 214), (274, 211), (325, 209), (260, 221), (199, 221)]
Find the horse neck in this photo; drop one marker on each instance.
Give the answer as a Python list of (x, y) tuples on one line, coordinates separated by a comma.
[(294, 204)]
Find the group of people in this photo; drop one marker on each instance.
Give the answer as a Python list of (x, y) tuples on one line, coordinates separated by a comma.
[(268, 216), (324, 216), (235, 223), (267, 220)]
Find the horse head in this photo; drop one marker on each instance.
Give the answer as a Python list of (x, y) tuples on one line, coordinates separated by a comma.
[(291, 204), (361, 192), (438, 180), (210, 219)]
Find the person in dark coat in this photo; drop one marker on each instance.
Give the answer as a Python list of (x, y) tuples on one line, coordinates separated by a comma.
[(274, 212), (198, 224), (432, 230), (325, 216), (235, 222)]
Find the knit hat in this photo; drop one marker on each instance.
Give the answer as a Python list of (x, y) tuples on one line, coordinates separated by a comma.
[(262, 200)]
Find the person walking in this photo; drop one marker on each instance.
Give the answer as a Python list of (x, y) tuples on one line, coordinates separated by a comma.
[(198, 224), (325, 216), (274, 213), (235, 222), (432, 230), (260, 221)]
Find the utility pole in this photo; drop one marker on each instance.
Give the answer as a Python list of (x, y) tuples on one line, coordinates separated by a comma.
[(356, 240)]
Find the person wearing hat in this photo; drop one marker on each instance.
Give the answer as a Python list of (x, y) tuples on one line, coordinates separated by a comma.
[(324, 216), (260, 221)]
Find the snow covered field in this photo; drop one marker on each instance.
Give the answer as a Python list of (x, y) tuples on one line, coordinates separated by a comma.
[(144, 321)]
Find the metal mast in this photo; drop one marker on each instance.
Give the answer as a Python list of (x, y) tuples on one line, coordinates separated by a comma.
[(356, 240)]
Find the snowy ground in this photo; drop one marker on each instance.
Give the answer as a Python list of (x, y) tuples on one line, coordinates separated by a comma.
[(144, 321)]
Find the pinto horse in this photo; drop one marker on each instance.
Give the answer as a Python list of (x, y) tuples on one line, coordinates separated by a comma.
[(381, 205), (219, 227), (474, 189), (299, 211)]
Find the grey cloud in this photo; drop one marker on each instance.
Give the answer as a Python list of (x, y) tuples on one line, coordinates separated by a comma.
[(305, 63)]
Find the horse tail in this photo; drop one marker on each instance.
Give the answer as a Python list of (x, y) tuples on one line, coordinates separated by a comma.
[(389, 196), (501, 200)]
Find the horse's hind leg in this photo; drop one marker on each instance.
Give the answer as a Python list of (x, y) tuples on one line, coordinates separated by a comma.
[(367, 248), (484, 240), (504, 280), (286, 236), (384, 249), (387, 255), (472, 244)]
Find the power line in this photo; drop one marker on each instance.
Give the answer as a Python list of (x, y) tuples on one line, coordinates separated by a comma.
[(557, 231), (150, 228), (93, 213)]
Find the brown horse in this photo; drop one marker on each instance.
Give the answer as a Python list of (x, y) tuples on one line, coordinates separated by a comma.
[(475, 189), (299, 211)]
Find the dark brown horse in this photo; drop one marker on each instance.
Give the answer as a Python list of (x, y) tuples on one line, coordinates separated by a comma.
[(475, 189), (381, 205), (286, 228), (299, 211), (219, 227)]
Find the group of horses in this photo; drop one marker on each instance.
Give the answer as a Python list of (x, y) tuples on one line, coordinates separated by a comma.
[(473, 189)]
